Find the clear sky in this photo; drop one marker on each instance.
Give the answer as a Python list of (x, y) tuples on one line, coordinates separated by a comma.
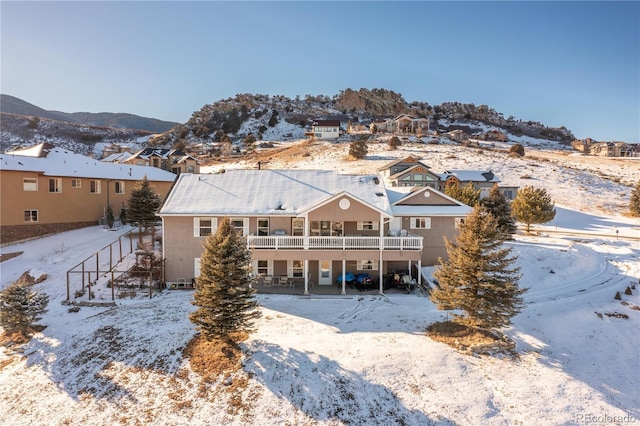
[(561, 63)]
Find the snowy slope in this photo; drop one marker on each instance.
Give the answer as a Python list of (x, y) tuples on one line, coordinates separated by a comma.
[(357, 360)]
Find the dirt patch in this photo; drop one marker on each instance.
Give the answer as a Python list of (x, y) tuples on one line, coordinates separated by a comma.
[(27, 279), (7, 256), (214, 358), (16, 339), (470, 340)]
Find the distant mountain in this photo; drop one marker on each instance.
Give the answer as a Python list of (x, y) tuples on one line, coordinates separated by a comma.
[(13, 105)]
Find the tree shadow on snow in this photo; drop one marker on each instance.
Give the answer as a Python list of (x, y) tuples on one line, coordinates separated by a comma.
[(103, 356), (323, 390)]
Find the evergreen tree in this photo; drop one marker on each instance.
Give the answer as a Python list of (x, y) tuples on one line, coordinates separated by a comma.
[(394, 142), (467, 194), (479, 278), (634, 201), (358, 148), (533, 205), (223, 296), (110, 218), (20, 307), (143, 204), (499, 207)]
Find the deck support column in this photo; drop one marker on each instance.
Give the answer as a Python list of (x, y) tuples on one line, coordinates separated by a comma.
[(344, 276), (306, 277)]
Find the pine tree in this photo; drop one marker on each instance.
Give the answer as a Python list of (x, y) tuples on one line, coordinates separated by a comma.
[(223, 296), (394, 142), (110, 218), (358, 149), (479, 277), (143, 204), (499, 207), (20, 307), (467, 194), (634, 201), (533, 205)]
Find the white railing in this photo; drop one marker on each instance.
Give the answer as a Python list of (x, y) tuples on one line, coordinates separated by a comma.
[(286, 242)]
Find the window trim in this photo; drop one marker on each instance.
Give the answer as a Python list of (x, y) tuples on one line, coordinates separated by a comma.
[(118, 187), (368, 225), (26, 185), (76, 183), (198, 228), (31, 212), (416, 223), (95, 186), (57, 184), (367, 265)]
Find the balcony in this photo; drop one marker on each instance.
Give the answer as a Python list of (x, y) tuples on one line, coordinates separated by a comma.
[(287, 242)]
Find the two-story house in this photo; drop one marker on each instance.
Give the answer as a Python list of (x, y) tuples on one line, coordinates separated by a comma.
[(173, 160), (410, 171), (482, 180), (45, 189), (325, 129), (314, 226)]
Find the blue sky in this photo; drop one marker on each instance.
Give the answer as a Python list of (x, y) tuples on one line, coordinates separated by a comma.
[(575, 64)]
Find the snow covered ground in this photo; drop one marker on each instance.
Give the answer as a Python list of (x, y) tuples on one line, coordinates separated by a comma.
[(355, 359)]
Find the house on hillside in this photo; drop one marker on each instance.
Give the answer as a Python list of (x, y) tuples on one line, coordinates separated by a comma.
[(492, 135), (614, 149), (409, 171), (402, 123), (115, 151), (173, 160), (324, 129), (309, 227), (483, 180), (46, 189)]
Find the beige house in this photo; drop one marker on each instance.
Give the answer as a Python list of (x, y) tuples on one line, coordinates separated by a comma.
[(172, 160), (402, 123), (309, 226), (410, 171), (45, 190)]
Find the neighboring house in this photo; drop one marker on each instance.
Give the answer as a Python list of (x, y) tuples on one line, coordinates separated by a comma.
[(492, 135), (46, 189), (325, 129), (457, 135), (614, 149), (410, 171), (403, 123), (172, 160), (313, 226), (483, 180), (111, 151)]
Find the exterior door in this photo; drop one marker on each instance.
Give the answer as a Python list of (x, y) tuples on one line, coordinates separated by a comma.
[(325, 273)]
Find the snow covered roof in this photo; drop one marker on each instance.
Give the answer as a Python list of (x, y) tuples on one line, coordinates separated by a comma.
[(61, 162), (396, 194), (117, 157), (272, 192), (471, 175)]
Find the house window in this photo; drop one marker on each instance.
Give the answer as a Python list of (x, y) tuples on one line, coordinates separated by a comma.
[(119, 189), (31, 215), (297, 226), (420, 223), (203, 226), (76, 183), (55, 185), (95, 187), (263, 226), (337, 229), (191, 169), (241, 225), (367, 265), (367, 225), (295, 268), (417, 177), (30, 184), (263, 267)]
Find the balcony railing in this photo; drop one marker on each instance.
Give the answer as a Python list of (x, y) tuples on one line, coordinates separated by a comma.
[(286, 242)]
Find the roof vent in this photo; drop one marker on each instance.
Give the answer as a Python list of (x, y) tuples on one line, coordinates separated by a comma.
[(376, 180), (379, 194)]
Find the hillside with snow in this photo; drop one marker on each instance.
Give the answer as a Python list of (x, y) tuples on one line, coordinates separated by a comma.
[(364, 358)]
